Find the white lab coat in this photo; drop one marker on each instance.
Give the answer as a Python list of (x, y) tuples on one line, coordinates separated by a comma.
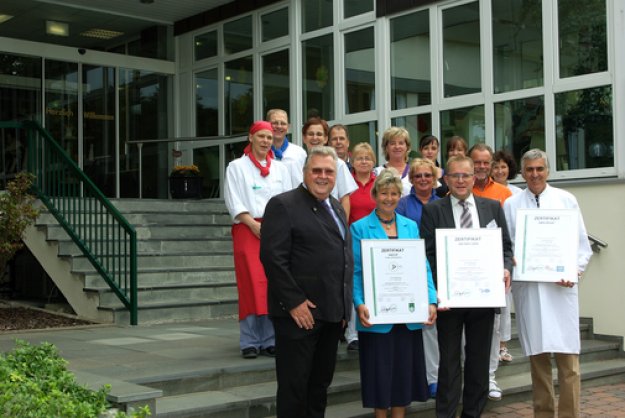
[(547, 315)]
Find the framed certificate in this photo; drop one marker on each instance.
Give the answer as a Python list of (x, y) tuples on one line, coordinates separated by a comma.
[(546, 245), (470, 268), (395, 281)]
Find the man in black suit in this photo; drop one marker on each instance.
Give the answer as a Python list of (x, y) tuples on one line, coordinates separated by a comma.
[(306, 250), (459, 209)]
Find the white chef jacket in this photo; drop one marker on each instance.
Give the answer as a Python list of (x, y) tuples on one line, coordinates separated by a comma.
[(547, 315), (245, 190), (344, 185), (294, 158)]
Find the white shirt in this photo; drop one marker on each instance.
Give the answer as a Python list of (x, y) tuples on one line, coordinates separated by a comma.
[(547, 314), (245, 190), (457, 211), (344, 185), (514, 189), (294, 158)]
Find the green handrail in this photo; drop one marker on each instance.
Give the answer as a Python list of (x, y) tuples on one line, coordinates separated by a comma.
[(103, 235)]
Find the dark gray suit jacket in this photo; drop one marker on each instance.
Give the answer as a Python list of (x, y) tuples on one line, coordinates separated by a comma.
[(439, 214), (305, 256)]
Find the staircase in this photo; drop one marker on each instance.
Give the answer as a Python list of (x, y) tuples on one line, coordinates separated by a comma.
[(185, 267), (249, 390)]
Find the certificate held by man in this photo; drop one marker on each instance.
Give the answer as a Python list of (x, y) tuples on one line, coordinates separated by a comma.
[(470, 268), (395, 281), (546, 245)]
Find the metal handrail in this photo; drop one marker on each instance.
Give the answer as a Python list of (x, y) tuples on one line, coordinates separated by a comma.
[(596, 243), (101, 233)]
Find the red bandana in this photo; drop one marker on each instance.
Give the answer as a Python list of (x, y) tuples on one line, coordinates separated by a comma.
[(258, 126)]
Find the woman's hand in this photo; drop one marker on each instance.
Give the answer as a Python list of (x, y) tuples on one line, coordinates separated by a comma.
[(433, 313), (363, 315)]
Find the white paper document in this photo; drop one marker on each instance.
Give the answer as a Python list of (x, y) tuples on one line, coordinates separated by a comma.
[(395, 281)]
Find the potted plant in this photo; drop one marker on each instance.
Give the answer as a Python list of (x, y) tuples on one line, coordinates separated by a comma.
[(185, 182)]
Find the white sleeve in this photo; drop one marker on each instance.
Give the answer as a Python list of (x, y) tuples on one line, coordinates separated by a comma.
[(345, 183), (233, 193)]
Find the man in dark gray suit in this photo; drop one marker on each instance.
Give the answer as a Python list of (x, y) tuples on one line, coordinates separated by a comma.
[(306, 251), (461, 209)]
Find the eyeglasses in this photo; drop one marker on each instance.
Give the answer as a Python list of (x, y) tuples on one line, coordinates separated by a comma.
[(278, 123), (460, 175), (366, 159), (420, 175), (540, 169), (319, 171), (311, 134)]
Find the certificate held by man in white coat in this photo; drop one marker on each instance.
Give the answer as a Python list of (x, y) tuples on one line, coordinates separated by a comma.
[(547, 314)]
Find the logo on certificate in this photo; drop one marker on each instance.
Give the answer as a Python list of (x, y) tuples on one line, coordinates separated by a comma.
[(560, 269), (411, 307), (393, 267)]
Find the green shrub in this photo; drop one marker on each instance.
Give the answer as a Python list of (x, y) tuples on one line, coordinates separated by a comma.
[(35, 382)]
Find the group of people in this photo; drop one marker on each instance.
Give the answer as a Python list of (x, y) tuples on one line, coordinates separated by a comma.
[(299, 218)]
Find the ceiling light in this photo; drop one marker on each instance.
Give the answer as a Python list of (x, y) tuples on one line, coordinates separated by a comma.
[(4, 18), (147, 1), (101, 33), (57, 28)]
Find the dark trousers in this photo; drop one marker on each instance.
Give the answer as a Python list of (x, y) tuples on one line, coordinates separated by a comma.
[(478, 325), (305, 361)]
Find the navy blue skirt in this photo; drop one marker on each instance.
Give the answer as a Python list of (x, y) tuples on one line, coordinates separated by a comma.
[(392, 368)]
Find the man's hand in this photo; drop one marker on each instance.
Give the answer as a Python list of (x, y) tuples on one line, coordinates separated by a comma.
[(302, 315), (363, 315), (566, 283), (506, 279), (433, 314)]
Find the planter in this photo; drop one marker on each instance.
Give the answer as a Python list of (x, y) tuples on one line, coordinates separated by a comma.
[(185, 187)]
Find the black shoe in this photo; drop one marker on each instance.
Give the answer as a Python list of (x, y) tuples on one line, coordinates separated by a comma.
[(249, 352), (269, 351), (353, 346)]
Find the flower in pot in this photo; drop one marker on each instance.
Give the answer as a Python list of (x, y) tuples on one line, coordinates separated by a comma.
[(185, 182)]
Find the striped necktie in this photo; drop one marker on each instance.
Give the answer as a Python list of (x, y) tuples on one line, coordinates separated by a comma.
[(537, 202), (465, 219)]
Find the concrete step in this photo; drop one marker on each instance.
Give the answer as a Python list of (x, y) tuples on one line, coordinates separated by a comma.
[(161, 246), (157, 205), (57, 233), (137, 219), (81, 264), (165, 277)]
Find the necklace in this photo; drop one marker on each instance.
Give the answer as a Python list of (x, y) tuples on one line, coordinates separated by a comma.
[(384, 221)]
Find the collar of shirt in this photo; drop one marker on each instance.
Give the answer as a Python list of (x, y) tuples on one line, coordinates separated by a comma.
[(470, 200)]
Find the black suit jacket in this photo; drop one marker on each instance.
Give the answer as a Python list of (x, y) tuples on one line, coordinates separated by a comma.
[(439, 214), (305, 256)]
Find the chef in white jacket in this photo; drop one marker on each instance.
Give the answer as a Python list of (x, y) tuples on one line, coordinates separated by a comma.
[(547, 314)]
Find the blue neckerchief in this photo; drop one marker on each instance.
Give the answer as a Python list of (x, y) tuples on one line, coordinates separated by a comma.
[(278, 152)]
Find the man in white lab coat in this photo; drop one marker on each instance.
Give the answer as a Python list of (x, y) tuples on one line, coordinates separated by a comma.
[(547, 314)]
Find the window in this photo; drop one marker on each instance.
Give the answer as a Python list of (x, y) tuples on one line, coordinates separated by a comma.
[(206, 45), (356, 7), (238, 35), (239, 96), (467, 122), (359, 71), (275, 25), (318, 77), (206, 103), (276, 81), (316, 14)]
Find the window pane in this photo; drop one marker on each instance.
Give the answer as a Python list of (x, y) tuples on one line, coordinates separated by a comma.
[(62, 105), (20, 88), (584, 133), (206, 45), (206, 104), (275, 25), (467, 122), (520, 126), (356, 7), (238, 35), (234, 150), (207, 160), (316, 14), (517, 45), (583, 40), (410, 61), (318, 77), (276, 81), (239, 96), (359, 71), (363, 132), (417, 126), (461, 50)]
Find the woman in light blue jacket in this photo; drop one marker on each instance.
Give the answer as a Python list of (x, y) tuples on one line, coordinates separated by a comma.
[(392, 366)]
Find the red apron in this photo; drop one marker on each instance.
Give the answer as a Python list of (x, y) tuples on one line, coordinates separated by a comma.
[(251, 279)]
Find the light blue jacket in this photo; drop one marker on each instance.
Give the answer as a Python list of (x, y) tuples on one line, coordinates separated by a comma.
[(369, 228)]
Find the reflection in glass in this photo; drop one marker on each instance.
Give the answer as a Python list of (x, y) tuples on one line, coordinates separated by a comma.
[(98, 95), (62, 105), (207, 160), (582, 37), (417, 126), (410, 61), (318, 77), (467, 122), (517, 45), (143, 105), (316, 14), (363, 132), (276, 81), (238, 35), (275, 24), (206, 103), (584, 129), (359, 71), (234, 150), (461, 50), (239, 96), (206, 45), (356, 7), (520, 126)]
